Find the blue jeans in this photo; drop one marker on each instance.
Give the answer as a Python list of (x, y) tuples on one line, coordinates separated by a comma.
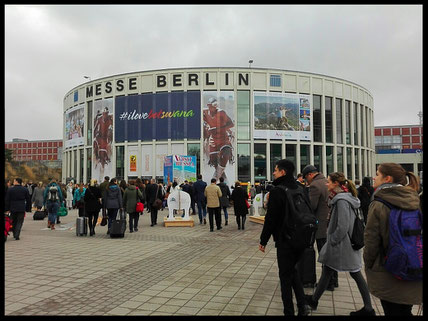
[(202, 207), (226, 216), (53, 208)]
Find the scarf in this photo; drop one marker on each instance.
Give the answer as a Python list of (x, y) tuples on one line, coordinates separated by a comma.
[(337, 190)]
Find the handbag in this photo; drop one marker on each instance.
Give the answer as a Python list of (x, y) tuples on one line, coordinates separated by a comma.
[(140, 206), (248, 204), (63, 211), (157, 204), (104, 221)]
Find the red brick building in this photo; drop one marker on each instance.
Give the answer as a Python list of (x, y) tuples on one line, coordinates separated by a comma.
[(38, 150), (398, 137)]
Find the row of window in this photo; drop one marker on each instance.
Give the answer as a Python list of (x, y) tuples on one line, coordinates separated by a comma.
[(36, 151), (381, 140), (36, 157), (33, 144), (398, 131), (243, 159)]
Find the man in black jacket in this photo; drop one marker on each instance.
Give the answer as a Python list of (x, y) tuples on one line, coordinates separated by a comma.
[(151, 196), (17, 202), (287, 256)]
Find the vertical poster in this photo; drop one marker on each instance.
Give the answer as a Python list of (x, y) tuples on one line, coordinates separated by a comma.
[(146, 160), (133, 160), (74, 126), (102, 139), (278, 115), (218, 155), (168, 175), (161, 152)]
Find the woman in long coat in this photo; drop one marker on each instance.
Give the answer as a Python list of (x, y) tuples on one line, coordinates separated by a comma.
[(131, 196), (37, 197), (93, 205), (239, 196), (337, 253)]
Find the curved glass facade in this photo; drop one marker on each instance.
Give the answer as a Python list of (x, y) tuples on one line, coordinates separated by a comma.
[(237, 122)]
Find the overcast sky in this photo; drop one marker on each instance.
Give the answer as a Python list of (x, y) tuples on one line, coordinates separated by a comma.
[(48, 50)]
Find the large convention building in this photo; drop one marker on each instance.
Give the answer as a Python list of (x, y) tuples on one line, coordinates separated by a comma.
[(237, 122)]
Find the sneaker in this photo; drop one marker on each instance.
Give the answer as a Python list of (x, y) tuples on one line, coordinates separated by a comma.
[(363, 312), (309, 301)]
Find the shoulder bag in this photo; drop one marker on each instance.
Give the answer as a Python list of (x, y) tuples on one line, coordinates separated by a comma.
[(140, 206), (157, 204)]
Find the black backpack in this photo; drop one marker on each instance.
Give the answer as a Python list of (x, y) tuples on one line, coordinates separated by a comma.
[(357, 237), (300, 226)]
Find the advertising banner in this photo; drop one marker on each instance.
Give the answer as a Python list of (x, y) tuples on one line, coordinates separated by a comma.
[(160, 116), (218, 155), (278, 115), (146, 157), (161, 152), (133, 160), (102, 139), (179, 168), (74, 126)]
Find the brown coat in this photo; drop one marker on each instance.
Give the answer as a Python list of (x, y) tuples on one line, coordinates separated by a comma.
[(213, 194), (383, 284), (318, 195)]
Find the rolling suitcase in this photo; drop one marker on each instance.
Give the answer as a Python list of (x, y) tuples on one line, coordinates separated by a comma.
[(39, 215), (118, 226), (82, 226), (306, 268)]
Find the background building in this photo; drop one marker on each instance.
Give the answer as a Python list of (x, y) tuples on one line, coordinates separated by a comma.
[(123, 125), (48, 152), (402, 145)]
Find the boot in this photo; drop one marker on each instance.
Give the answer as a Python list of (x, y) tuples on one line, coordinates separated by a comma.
[(243, 222), (238, 221), (225, 223), (52, 226)]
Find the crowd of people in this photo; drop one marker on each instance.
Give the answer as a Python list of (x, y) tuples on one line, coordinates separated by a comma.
[(333, 200)]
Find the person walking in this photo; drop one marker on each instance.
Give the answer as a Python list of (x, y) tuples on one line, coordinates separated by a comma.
[(192, 197), (52, 199), (287, 254), (399, 188), (153, 193), (213, 194), (239, 198), (78, 200), (224, 199), (318, 197), (337, 253), (37, 198), (365, 192), (123, 185), (131, 196), (93, 204), (112, 201), (17, 202), (200, 198), (70, 195)]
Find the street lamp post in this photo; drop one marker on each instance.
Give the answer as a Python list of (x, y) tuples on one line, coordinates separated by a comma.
[(87, 77), (250, 62)]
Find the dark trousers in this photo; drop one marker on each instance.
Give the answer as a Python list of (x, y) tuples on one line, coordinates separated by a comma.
[(153, 214), (17, 222), (81, 212), (395, 309), (133, 220), (334, 280), (92, 219), (238, 221), (214, 212), (111, 213), (289, 278)]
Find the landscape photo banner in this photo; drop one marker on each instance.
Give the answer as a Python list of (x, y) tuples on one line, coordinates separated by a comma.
[(282, 115), (74, 126), (160, 116)]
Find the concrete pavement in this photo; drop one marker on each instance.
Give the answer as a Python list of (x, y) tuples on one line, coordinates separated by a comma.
[(155, 271)]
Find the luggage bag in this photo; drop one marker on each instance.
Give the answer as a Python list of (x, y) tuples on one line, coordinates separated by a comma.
[(39, 215), (118, 226), (306, 268), (82, 226)]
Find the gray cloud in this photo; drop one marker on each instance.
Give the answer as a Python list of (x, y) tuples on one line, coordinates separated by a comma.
[(48, 50)]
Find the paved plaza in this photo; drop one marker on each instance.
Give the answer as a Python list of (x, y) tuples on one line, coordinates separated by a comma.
[(155, 271)]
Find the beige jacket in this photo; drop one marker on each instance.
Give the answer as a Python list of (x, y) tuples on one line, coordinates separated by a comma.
[(213, 194)]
